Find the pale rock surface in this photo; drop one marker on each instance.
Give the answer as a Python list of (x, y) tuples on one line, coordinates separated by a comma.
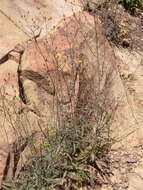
[(10, 36), (136, 177), (126, 155), (31, 16)]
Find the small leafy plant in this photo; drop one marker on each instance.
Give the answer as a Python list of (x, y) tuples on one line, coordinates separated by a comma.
[(128, 4)]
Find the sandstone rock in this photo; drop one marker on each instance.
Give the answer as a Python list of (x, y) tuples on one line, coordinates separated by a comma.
[(75, 67), (136, 177), (128, 121), (14, 122), (76, 54), (130, 75), (32, 16), (10, 36), (70, 60), (45, 53)]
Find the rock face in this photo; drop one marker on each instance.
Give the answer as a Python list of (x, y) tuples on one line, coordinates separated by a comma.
[(58, 74), (17, 121), (126, 154), (136, 177), (10, 36), (30, 17), (60, 71)]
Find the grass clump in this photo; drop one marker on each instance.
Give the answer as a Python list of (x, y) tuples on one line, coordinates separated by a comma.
[(129, 4), (69, 161), (71, 157), (76, 154)]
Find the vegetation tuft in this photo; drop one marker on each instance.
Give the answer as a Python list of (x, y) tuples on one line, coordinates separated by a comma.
[(71, 157), (131, 4), (76, 154), (69, 161), (119, 32)]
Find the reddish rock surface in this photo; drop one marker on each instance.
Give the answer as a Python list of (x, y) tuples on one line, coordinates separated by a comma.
[(76, 55), (70, 50)]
